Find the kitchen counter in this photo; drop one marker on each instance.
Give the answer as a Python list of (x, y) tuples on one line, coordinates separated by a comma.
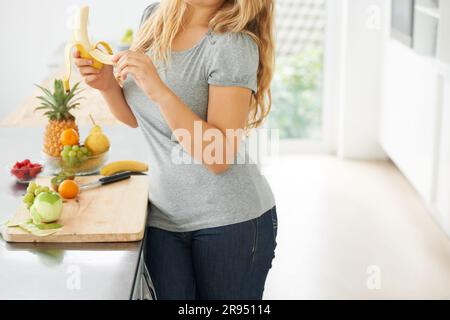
[(64, 271)]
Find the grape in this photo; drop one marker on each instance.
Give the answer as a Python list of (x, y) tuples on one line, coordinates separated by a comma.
[(67, 148), (74, 162), (74, 156), (28, 198), (29, 204), (31, 187), (38, 191), (33, 191)]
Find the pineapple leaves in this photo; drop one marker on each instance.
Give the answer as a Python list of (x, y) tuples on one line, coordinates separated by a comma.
[(43, 99), (45, 90), (42, 108), (48, 96), (45, 102), (73, 92), (59, 103), (74, 106), (75, 88)]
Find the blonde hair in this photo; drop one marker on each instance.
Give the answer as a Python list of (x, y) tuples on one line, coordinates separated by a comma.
[(252, 17)]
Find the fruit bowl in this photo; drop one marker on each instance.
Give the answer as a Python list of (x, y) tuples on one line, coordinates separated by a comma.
[(26, 173), (91, 166)]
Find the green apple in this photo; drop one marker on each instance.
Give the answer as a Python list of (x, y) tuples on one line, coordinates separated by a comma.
[(47, 208)]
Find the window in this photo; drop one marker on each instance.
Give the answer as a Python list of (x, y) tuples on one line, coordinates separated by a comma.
[(297, 86)]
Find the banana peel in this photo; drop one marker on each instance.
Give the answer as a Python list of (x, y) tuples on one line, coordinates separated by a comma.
[(100, 53)]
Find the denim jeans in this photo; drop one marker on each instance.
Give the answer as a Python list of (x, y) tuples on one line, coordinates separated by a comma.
[(230, 262)]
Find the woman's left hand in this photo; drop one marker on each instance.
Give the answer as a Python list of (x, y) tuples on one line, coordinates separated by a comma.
[(144, 72)]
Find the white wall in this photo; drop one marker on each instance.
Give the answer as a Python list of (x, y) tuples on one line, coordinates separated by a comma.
[(441, 203), (353, 76), (34, 32)]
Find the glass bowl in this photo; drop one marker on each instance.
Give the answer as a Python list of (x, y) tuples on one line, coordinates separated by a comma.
[(26, 175), (92, 165)]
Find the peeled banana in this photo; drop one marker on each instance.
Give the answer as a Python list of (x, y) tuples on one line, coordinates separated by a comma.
[(81, 42), (122, 166)]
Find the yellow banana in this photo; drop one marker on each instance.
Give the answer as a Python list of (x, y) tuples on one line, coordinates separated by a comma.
[(83, 45), (122, 166)]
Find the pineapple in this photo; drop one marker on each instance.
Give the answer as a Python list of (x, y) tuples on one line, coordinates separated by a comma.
[(57, 106)]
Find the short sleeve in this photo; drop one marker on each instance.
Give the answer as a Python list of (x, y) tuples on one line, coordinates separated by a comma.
[(148, 12), (234, 61)]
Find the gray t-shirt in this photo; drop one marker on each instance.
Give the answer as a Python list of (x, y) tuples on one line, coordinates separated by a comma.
[(188, 197)]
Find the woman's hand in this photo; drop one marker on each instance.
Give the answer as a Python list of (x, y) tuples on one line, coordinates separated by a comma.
[(141, 67), (101, 80)]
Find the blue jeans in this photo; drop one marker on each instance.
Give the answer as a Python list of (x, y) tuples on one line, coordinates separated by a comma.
[(230, 262)]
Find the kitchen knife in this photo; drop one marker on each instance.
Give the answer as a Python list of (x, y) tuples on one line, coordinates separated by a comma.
[(107, 180)]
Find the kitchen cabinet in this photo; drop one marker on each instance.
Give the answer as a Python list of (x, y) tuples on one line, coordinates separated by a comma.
[(402, 17), (415, 116), (426, 22), (143, 285), (409, 114)]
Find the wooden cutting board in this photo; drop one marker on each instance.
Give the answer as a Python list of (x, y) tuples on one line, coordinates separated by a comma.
[(111, 213)]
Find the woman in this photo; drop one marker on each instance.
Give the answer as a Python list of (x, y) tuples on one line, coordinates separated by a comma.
[(199, 70)]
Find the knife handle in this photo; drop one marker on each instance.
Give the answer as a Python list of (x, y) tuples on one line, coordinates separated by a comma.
[(116, 178)]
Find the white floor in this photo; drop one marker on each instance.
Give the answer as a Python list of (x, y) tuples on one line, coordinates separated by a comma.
[(347, 228)]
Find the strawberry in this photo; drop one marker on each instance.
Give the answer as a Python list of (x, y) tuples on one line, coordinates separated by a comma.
[(20, 175), (34, 172)]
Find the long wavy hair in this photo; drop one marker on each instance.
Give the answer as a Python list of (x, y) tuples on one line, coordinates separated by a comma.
[(253, 17)]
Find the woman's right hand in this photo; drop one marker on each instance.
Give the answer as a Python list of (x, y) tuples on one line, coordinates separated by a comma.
[(102, 80)]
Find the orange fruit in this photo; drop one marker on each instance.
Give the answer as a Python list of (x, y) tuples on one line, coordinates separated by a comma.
[(69, 189), (70, 137)]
